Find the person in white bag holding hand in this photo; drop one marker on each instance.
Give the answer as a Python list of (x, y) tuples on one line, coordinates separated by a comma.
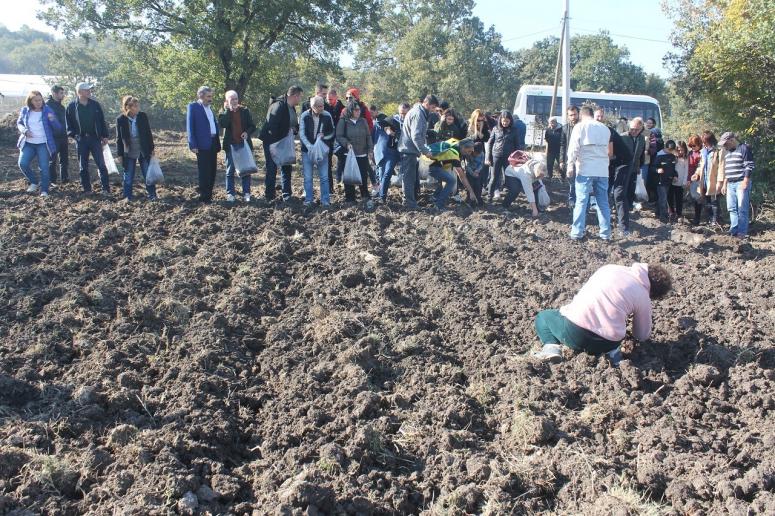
[(238, 127), (316, 125), (134, 144)]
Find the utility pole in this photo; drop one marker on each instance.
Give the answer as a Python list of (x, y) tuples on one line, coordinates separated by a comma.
[(566, 62), (557, 70)]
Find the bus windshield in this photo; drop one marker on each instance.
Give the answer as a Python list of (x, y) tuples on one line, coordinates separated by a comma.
[(539, 106)]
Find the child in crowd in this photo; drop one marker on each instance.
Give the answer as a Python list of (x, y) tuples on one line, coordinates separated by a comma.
[(675, 198), (664, 164), (474, 173)]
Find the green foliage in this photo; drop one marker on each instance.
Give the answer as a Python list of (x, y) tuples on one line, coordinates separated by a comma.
[(24, 51), (596, 64), (434, 47), (251, 46), (726, 54)]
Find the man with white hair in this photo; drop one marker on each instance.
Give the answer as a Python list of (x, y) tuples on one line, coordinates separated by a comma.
[(86, 125), (553, 138), (636, 143), (589, 150), (316, 124), (238, 126), (202, 129)]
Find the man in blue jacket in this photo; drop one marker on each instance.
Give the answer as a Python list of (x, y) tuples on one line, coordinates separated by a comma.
[(86, 125), (202, 129)]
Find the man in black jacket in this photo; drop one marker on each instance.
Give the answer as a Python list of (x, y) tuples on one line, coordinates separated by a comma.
[(280, 120), (86, 124), (572, 117), (553, 137), (60, 135)]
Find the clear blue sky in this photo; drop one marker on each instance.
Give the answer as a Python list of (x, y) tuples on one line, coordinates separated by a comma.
[(639, 25)]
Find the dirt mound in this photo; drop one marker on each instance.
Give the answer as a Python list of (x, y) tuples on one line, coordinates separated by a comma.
[(163, 357)]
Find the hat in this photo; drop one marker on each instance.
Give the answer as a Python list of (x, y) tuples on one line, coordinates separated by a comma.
[(354, 92), (726, 137), (83, 86)]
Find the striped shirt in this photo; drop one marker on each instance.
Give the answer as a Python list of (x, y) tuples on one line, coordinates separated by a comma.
[(738, 163)]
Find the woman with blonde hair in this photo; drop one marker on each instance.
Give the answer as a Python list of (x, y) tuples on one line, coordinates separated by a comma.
[(37, 123), (479, 132), (134, 144)]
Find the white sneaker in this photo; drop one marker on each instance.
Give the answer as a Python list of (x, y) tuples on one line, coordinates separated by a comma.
[(32, 188), (496, 195), (247, 197), (43, 195), (457, 198), (549, 353), (230, 198)]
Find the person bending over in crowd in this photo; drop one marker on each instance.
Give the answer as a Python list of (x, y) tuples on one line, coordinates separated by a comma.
[(238, 126), (445, 167), (595, 321), (353, 133), (37, 124), (134, 144), (520, 178)]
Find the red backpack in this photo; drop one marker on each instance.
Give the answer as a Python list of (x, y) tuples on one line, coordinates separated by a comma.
[(518, 158)]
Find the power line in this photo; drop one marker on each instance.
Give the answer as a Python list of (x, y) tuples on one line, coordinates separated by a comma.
[(622, 35), (529, 35)]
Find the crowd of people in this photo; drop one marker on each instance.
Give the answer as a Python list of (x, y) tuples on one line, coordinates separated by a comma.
[(483, 157)]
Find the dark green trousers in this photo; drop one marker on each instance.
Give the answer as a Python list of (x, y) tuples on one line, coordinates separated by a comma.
[(554, 328)]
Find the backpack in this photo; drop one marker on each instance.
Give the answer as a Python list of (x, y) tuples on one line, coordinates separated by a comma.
[(446, 150)]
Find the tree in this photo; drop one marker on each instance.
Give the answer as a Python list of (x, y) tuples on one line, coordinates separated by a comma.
[(228, 42), (725, 57), (596, 64), (413, 54)]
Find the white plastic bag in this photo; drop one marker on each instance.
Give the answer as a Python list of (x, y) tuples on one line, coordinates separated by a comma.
[(543, 196), (107, 157), (319, 151), (694, 191), (640, 189), (242, 157), (284, 152), (153, 175), (352, 173)]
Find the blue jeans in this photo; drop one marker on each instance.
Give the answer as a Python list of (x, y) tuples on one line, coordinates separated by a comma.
[(130, 166), (738, 203), (386, 170), (271, 176), (28, 152), (308, 167), (231, 172), (410, 179), (587, 186), (449, 179), (91, 145)]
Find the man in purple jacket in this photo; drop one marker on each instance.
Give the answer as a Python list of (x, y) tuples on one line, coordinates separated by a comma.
[(202, 129)]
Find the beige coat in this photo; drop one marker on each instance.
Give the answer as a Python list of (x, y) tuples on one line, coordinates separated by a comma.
[(716, 173)]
